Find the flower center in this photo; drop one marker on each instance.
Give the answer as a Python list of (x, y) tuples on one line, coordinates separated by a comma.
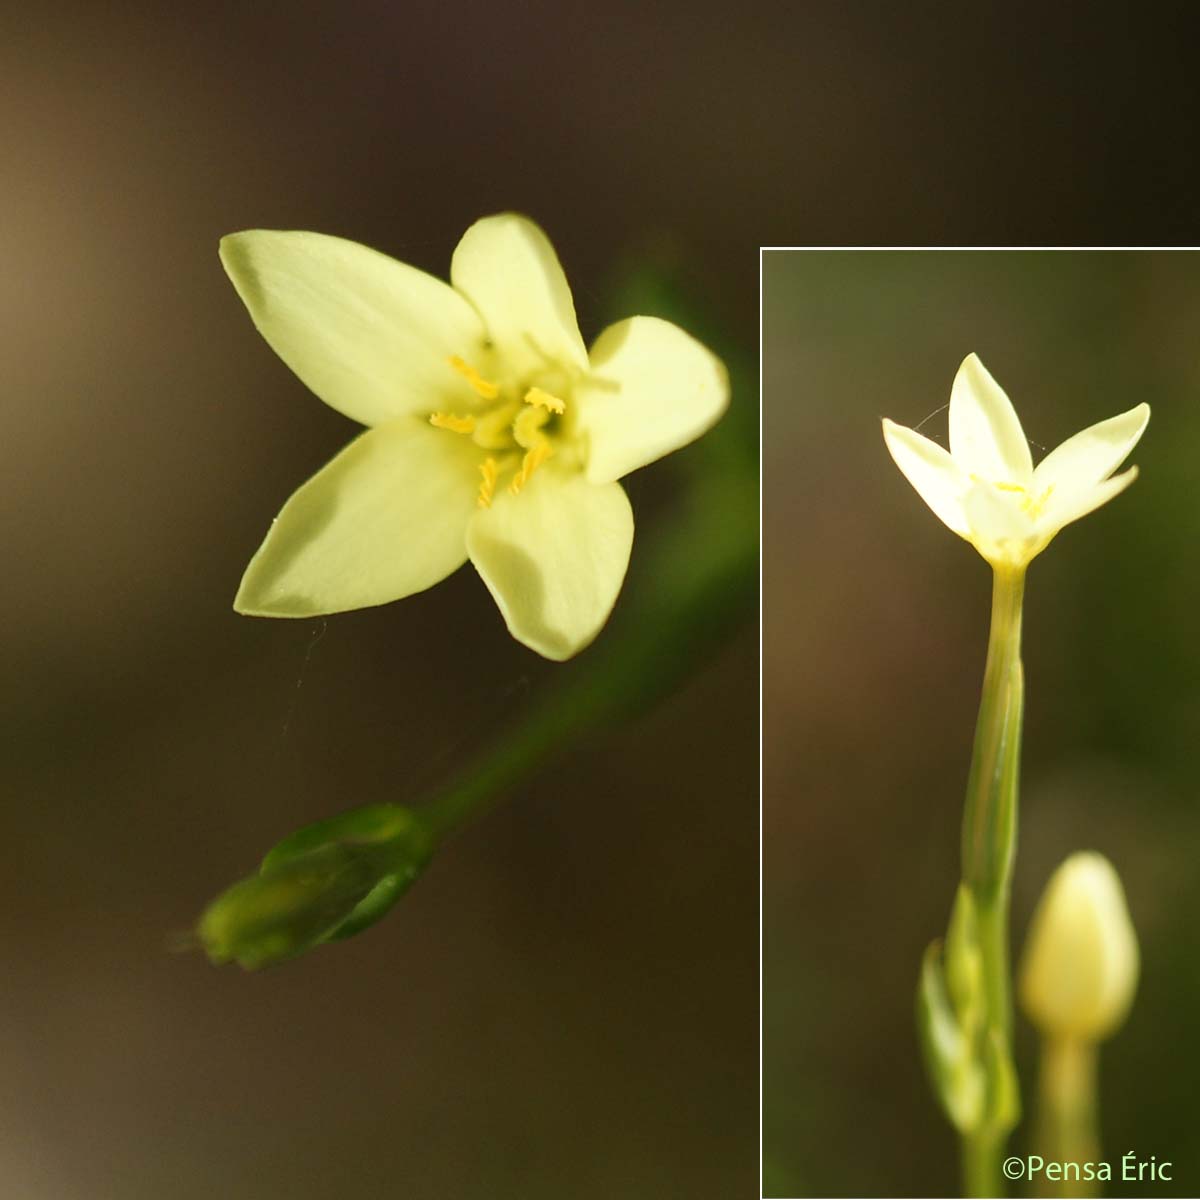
[(516, 426), (1031, 505)]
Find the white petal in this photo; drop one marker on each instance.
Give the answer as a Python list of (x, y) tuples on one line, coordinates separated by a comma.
[(369, 335), (1094, 454), (986, 437), (1073, 505), (506, 266), (652, 389), (931, 470), (386, 518), (554, 558)]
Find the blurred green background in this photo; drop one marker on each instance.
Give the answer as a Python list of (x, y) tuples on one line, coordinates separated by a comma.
[(566, 1003), (875, 628)]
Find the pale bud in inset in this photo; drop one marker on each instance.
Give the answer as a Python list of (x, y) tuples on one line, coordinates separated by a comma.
[(1080, 968)]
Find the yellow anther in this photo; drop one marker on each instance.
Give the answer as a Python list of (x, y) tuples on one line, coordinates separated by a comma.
[(487, 489), (483, 387), (1029, 505), (1034, 507), (454, 423), (530, 463), (537, 397)]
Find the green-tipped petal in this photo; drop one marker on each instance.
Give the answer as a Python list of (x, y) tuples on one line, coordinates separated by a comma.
[(506, 266), (384, 519), (930, 470), (1070, 507), (369, 335), (652, 389), (554, 558), (986, 437), (1085, 459)]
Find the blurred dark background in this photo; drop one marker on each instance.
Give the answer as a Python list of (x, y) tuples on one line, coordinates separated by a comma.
[(875, 632)]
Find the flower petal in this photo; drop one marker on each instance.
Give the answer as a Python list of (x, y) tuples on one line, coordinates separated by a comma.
[(931, 470), (369, 335), (506, 266), (1073, 505), (652, 389), (986, 437), (554, 558), (384, 519), (1094, 454)]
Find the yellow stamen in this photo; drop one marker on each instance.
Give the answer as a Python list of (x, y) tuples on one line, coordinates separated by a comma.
[(454, 423), (1030, 506), (483, 387), (544, 400), (1034, 507), (487, 488), (530, 463)]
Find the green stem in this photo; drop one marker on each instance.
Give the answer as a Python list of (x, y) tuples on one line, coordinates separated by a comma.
[(709, 556), (1067, 1111), (990, 819), (981, 1165), (988, 849)]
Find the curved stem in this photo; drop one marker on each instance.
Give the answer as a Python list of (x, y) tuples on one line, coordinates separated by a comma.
[(698, 586)]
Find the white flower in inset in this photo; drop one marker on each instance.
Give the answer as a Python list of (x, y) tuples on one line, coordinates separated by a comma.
[(494, 435), (986, 487)]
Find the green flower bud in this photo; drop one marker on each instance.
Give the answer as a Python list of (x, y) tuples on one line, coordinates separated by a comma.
[(1080, 967), (326, 881)]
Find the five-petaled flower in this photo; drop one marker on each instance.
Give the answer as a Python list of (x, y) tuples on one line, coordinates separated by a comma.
[(986, 488), (494, 434)]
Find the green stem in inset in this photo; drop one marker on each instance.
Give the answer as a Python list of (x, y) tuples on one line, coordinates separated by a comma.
[(988, 849)]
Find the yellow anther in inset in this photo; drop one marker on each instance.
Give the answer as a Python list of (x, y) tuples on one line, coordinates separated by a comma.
[(1034, 507), (487, 489), (1029, 505), (530, 463), (454, 423), (537, 397), (527, 428), (483, 387)]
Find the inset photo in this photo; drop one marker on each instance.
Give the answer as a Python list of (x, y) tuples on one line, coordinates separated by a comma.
[(981, 699)]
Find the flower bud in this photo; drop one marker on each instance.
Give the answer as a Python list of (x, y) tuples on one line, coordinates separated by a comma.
[(326, 881), (1080, 968)]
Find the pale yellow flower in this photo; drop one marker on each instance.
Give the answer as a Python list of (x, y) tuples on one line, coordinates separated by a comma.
[(1080, 969), (986, 487), (494, 434)]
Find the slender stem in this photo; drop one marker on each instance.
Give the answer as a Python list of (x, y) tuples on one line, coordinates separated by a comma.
[(1067, 1111), (981, 1165), (710, 555), (988, 848), (990, 818)]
